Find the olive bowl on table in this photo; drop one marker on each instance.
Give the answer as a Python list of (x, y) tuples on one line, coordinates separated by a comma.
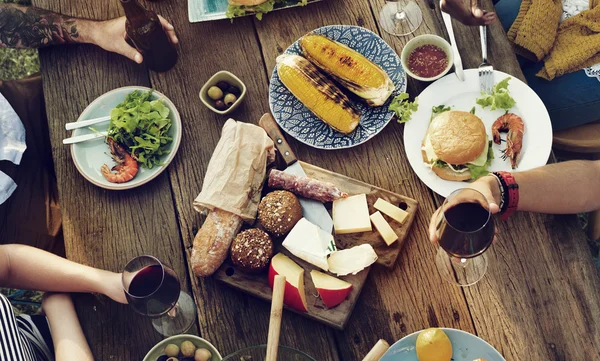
[(159, 349), (91, 155)]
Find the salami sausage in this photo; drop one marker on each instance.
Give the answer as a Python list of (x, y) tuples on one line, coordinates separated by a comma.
[(305, 187)]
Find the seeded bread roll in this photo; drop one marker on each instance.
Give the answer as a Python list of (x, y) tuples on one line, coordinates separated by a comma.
[(252, 250), (278, 212)]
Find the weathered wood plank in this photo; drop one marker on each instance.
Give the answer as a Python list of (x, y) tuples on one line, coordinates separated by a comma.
[(103, 228), (391, 305), (229, 318)]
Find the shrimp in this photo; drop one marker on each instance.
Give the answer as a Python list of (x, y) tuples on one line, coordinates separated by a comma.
[(126, 168), (514, 139)]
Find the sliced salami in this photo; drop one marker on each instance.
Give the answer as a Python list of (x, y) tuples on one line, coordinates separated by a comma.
[(305, 187)]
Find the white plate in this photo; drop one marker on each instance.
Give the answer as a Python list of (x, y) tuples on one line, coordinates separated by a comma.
[(537, 140), (465, 347), (89, 156)]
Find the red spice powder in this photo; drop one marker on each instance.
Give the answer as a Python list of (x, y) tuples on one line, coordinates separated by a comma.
[(427, 61)]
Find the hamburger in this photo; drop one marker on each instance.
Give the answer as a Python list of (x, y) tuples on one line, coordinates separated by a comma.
[(242, 7), (456, 146)]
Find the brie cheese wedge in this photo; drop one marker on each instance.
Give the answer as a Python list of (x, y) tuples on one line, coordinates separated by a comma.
[(310, 243)]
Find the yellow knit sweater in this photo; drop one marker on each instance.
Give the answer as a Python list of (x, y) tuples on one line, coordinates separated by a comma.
[(565, 47)]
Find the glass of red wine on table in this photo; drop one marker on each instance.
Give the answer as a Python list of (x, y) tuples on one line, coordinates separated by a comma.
[(153, 290), (465, 230)]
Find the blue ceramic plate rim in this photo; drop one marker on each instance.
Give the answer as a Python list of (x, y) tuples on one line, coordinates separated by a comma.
[(400, 87), (392, 354), (153, 173)]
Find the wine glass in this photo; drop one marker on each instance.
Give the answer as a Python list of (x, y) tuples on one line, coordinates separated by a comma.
[(465, 229), (400, 17), (152, 289)]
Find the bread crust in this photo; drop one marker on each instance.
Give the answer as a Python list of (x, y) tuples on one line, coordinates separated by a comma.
[(457, 137), (247, 2), (446, 172)]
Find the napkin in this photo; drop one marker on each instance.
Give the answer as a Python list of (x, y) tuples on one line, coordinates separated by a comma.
[(236, 171)]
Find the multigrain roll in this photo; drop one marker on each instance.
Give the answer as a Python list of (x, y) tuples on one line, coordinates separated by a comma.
[(278, 212), (252, 250)]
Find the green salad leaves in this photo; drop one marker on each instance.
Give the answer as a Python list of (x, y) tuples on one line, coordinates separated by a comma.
[(499, 99), (142, 125), (403, 108), (435, 111), (234, 11), (480, 171)]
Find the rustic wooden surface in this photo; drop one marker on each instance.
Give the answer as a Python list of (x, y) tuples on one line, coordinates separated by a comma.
[(337, 317), (540, 296)]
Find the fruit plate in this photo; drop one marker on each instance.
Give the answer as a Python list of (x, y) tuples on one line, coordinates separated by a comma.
[(465, 347), (158, 349), (449, 91), (91, 155), (299, 122), (337, 317), (207, 10)]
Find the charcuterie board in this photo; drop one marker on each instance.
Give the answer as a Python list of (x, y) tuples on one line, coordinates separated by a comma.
[(258, 285)]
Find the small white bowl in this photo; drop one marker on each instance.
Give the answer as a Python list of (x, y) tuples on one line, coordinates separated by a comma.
[(199, 342), (424, 40), (222, 75)]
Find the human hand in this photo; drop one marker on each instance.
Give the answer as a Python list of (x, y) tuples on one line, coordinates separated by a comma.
[(487, 186), (458, 10), (110, 35)]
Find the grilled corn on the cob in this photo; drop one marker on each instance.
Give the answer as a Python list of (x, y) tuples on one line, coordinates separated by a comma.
[(357, 73), (317, 93)]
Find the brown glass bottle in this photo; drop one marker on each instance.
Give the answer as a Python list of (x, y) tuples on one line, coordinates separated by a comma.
[(144, 29)]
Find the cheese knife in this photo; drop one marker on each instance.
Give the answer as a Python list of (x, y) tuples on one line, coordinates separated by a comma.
[(313, 210), (458, 67)]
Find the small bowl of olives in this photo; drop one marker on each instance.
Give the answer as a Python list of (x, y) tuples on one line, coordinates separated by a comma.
[(223, 92), (183, 348)]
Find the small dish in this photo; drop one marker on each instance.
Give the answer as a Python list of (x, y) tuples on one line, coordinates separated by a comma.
[(260, 352), (427, 39), (89, 156), (158, 349), (222, 75)]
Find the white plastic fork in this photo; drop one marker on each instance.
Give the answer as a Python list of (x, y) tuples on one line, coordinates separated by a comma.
[(486, 70)]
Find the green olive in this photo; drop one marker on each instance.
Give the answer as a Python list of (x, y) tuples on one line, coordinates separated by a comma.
[(188, 349), (215, 93), (202, 354), (230, 99), (172, 350)]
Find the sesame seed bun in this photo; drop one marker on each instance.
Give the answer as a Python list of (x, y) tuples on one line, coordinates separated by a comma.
[(457, 137)]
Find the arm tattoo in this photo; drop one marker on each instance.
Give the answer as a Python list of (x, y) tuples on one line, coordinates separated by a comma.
[(30, 27)]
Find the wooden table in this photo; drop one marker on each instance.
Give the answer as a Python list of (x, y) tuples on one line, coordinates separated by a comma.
[(539, 301)]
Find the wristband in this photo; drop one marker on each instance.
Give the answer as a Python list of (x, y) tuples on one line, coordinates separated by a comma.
[(511, 194)]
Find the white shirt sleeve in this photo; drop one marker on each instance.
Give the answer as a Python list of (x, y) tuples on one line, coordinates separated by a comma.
[(12, 134)]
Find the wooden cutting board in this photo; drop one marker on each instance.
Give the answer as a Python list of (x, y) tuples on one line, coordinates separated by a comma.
[(258, 285)]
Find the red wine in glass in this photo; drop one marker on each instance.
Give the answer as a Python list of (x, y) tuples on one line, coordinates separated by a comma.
[(153, 290), (468, 230)]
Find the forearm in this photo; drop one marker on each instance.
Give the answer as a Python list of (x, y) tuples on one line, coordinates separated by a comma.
[(31, 268), (68, 338), (561, 188), (31, 27)]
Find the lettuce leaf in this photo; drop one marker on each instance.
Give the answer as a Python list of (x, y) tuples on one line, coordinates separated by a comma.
[(499, 99), (435, 111), (403, 108), (480, 171)]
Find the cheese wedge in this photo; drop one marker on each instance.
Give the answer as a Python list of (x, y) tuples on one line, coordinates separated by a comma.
[(384, 228), (391, 210), (310, 243), (351, 215), (352, 260)]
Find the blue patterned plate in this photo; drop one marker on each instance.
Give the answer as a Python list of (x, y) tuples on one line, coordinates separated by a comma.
[(299, 122)]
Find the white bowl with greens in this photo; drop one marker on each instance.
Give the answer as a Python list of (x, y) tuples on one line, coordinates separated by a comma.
[(147, 125)]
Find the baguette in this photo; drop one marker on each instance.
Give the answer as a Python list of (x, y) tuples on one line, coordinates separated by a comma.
[(213, 240)]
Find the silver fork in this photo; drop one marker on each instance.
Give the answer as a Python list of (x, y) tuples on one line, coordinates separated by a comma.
[(486, 70)]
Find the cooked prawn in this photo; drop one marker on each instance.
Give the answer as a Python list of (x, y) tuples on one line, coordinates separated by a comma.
[(126, 168), (513, 124)]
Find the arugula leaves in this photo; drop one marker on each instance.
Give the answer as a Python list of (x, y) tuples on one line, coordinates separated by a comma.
[(499, 99), (234, 11), (403, 108), (142, 126)]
